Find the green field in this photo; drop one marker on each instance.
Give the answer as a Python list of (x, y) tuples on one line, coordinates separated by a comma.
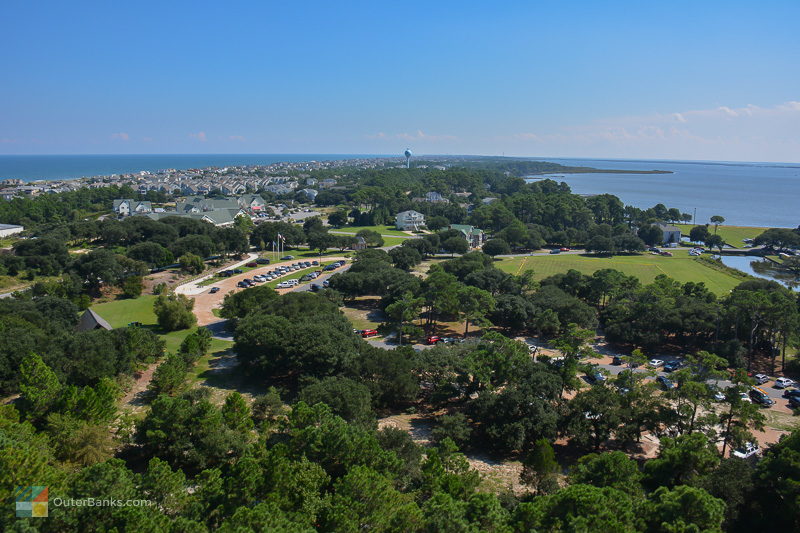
[(120, 313), (383, 230), (732, 235), (682, 267)]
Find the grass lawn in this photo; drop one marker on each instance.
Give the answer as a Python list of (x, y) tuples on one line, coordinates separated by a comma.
[(120, 313), (682, 267), (732, 235), (383, 230)]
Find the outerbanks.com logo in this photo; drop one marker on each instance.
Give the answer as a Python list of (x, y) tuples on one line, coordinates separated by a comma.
[(32, 502)]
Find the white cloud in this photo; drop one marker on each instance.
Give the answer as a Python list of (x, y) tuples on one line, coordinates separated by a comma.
[(419, 136), (200, 136), (121, 136), (751, 132)]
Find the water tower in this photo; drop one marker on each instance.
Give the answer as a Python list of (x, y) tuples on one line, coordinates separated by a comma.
[(408, 157)]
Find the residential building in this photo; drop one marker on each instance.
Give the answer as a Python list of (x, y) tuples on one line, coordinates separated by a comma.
[(434, 197), (410, 220), (671, 234), (475, 237), (126, 207)]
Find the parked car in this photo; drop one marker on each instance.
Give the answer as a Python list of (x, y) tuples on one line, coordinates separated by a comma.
[(595, 376), (564, 249), (214, 290), (283, 285), (315, 263), (745, 397), (761, 398), (782, 383), (761, 379), (794, 403), (366, 333), (326, 283), (655, 363), (750, 449), (432, 339), (237, 271), (262, 261), (251, 264), (791, 393), (671, 366), (242, 285), (665, 382), (667, 254), (616, 360), (287, 258), (654, 249), (555, 251), (314, 287), (718, 395)]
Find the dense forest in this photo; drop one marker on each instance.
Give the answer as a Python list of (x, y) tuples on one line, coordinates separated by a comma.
[(301, 447)]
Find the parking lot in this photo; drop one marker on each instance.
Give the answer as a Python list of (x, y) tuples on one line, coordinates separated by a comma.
[(206, 302)]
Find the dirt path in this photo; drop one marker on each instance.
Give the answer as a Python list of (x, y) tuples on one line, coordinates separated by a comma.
[(134, 399)]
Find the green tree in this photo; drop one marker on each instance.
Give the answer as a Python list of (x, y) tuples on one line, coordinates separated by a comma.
[(609, 469), (699, 234), (39, 386), (170, 376), (714, 241), (236, 413), (539, 468), (174, 311), (717, 220), (191, 263), (338, 218), (455, 245), (684, 509), (681, 460), (346, 398), (366, 500), (404, 310), (496, 246), (455, 427), (133, 286), (474, 305)]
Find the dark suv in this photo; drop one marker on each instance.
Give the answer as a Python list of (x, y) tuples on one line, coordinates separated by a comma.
[(761, 398)]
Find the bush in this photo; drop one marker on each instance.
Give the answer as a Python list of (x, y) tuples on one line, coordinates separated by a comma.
[(132, 287), (174, 312)]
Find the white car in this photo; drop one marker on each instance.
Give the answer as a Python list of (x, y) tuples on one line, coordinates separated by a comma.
[(761, 379), (748, 450), (283, 285), (655, 363), (782, 383), (745, 397)]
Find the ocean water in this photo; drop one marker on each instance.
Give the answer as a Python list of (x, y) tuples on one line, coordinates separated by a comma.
[(55, 167), (746, 194)]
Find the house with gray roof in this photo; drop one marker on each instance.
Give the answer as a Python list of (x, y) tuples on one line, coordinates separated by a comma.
[(409, 220), (126, 206), (91, 321)]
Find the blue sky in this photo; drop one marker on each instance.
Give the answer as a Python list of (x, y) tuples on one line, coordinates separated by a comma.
[(681, 80)]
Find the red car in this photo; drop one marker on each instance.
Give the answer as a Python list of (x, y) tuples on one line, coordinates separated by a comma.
[(433, 339), (252, 265), (565, 249), (369, 333)]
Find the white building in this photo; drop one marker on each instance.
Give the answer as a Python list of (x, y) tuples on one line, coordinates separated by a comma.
[(410, 220)]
